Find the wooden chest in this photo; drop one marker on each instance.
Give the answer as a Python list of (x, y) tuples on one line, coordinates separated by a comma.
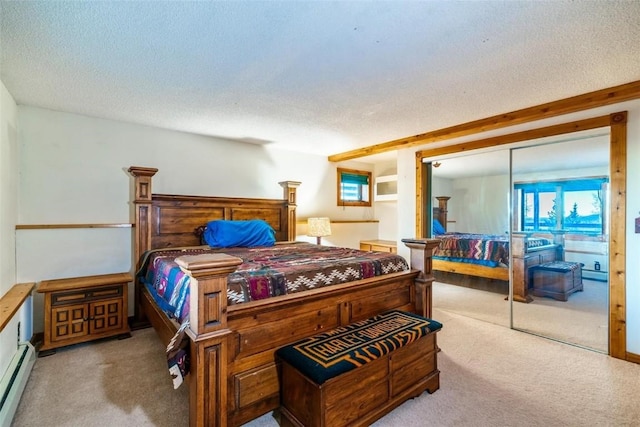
[(363, 394), (557, 279)]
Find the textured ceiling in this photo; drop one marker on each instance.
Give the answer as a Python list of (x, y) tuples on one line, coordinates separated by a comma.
[(320, 77)]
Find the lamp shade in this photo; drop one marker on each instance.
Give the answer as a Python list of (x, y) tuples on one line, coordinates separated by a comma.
[(319, 227)]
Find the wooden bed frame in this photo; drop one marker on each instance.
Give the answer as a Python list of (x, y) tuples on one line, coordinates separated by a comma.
[(233, 375), (521, 258)]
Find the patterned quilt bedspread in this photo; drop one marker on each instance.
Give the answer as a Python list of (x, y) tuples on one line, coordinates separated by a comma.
[(482, 249), (265, 272)]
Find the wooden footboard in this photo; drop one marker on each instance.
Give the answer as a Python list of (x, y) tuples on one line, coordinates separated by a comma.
[(521, 258), (233, 373), (233, 362), (497, 273), (253, 385)]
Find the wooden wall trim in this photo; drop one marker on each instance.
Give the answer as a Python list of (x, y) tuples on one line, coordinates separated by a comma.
[(587, 101), (12, 301), (618, 236), (127, 225), (345, 221), (423, 181), (632, 357), (54, 226)]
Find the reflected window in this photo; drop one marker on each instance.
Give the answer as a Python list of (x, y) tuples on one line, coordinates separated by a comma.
[(574, 205)]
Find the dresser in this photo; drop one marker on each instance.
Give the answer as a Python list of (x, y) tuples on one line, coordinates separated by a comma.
[(378, 245)]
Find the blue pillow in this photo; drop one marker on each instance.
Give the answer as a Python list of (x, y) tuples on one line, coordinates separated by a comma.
[(229, 234), (438, 228)]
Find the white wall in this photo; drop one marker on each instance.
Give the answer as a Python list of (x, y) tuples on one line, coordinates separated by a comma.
[(480, 204), (74, 170), (8, 216), (343, 234), (386, 211), (387, 214), (406, 195), (406, 199)]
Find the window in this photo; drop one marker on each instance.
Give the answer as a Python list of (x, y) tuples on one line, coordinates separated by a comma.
[(354, 187), (573, 205)]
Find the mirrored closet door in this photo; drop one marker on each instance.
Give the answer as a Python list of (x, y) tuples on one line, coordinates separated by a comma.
[(470, 200), (560, 233)]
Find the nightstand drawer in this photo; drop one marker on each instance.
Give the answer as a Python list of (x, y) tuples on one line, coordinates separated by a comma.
[(59, 298)]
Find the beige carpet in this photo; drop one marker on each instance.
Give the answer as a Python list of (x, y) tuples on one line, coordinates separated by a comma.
[(581, 320), (106, 383), (490, 376)]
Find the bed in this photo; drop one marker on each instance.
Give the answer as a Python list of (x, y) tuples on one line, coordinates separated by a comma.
[(489, 256), (233, 375)]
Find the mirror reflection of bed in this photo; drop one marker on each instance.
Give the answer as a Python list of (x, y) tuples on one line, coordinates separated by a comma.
[(472, 197)]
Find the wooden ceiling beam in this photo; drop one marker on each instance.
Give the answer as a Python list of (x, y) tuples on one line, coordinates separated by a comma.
[(526, 135), (587, 101)]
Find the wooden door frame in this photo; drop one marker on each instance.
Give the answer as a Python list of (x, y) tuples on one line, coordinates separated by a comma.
[(617, 123)]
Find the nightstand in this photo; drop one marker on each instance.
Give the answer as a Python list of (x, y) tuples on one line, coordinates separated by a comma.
[(82, 309), (378, 245)]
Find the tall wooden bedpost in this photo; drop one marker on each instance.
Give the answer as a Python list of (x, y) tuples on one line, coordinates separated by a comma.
[(443, 210), (209, 336), (142, 216), (290, 193), (421, 255), (142, 222), (518, 257)]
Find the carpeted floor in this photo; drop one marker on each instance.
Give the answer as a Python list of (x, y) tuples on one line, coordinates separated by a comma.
[(581, 320), (105, 383), (490, 376)]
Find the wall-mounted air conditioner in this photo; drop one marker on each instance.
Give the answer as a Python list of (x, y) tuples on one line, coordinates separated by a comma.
[(386, 188)]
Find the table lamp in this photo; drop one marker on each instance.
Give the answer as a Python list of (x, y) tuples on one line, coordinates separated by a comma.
[(319, 228)]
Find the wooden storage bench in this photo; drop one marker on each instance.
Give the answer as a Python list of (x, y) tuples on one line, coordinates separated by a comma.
[(557, 279), (354, 375)]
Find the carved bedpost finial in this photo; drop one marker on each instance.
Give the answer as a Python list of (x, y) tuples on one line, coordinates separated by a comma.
[(290, 193), (208, 293), (142, 182)]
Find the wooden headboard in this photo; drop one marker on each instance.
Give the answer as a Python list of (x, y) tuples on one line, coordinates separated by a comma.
[(164, 220)]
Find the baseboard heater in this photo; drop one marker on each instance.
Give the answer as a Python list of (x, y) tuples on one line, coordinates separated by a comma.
[(599, 275), (14, 380)]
